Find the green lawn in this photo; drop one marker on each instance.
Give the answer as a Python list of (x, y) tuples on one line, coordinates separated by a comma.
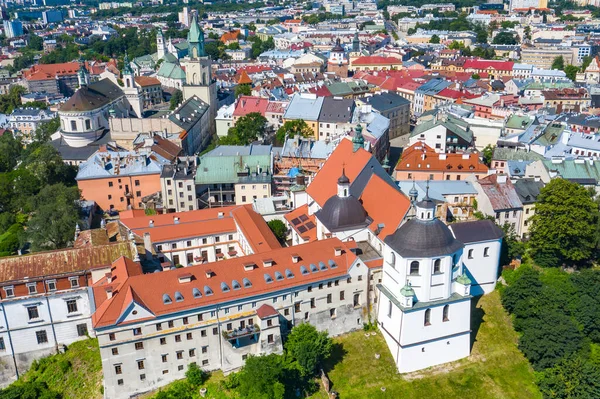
[(76, 374), (495, 369)]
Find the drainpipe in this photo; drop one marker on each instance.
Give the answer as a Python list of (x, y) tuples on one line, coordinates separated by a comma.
[(12, 348), (220, 337), (52, 324)]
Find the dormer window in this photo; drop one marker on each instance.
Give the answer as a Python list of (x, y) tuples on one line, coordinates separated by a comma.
[(278, 276), (295, 258), (249, 266), (332, 264), (268, 262), (178, 296), (167, 299), (313, 268), (322, 266), (268, 278), (303, 270), (235, 285), (337, 251), (288, 273), (224, 287), (247, 283), (207, 290), (196, 293)]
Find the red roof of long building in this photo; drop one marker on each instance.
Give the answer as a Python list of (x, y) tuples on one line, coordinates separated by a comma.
[(248, 104)]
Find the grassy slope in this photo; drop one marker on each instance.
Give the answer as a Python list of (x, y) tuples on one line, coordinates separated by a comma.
[(495, 369), (83, 380)]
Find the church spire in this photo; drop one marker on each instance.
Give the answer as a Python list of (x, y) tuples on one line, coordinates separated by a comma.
[(358, 140), (195, 39), (82, 75)]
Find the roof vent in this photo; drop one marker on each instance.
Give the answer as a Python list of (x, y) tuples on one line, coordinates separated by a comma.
[(185, 278), (209, 273), (268, 262), (249, 266), (322, 266), (332, 264), (151, 224), (247, 283), (224, 287), (235, 285), (313, 268), (288, 273), (295, 258), (278, 276), (268, 278)]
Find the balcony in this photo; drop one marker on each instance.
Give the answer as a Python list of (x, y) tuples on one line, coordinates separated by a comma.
[(242, 336)]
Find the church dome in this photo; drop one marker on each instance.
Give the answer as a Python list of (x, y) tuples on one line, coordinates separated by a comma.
[(419, 238), (341, 213)]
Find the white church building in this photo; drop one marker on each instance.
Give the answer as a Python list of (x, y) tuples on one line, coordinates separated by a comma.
[(424, 311)]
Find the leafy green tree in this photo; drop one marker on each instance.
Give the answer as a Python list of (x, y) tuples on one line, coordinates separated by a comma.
[(29, 390), (36, 43), (585, 62), (435, 39), (488, 154), (308, 347), (243, 90), (558, 63), (195, 375), (527, 32), (246, 130), (10, 150), (176, 99), (263, 377), (506, 38), (563, 229), (233, 46), (571, 71), (456, 45), (512, 246), (55, 214), (46, 129), (46, 164), (527, 286), (279, 229), (293, 128), (571, 378)]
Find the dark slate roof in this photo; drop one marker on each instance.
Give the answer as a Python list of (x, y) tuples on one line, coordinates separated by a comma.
[(386, 101), (93, 96), (423, 239), (343, 214), (373, 167), (528, 190), (336, 110), (190, 112), (479, 230), (69, 153)]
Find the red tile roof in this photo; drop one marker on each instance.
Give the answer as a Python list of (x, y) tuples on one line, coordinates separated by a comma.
[(147, 81), (244, 79), (487, 64), (248, 104), (148, 289), (385, 205), (412, 159), (502, 196), (376, 60), (230, 36), (266, 311)]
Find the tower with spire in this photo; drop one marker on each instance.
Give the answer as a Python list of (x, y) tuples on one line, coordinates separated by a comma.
[(82, 74), (198, 72), (132, 92), (358, 141), (160, 44)]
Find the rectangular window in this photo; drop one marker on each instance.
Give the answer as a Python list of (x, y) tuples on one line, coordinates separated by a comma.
[(185, 320), (205, 349), (192, 352), (32, 289), (118, 369), (188, 336), (9, 291), (171, 324), (120, 381), (163, 341), (215, 331), (51, 285), (140, 364), (164, 358), (205, 362), (41, 336), (139, 346), (142, 377), (179, 355), (178, 338), (33, 313), (203, 333), (111, 336), (136, 182), (74, 282), (137, 331), (82, 330), (72, 306), (342, 296), (329, 299), (158, 326), (270, 338)]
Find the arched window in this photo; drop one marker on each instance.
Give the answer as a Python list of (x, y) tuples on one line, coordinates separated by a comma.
[(427, 321), (437, 266), (127, 82), (393, 259), (445, 314), (414, 268), (470, 254), (486, 251), (73, 126), (204, 82)]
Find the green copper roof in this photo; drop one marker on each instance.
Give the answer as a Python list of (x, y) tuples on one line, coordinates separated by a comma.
[(407, 291), (126, 66), (463, 279), (170, 70), (518, 122), (230, 169), (194, 33)]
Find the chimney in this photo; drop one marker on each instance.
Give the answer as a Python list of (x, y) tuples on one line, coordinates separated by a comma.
[(148, 246), (151, 223), (442, 157), (109, 293), (295, 258), (465, 156), (175, 220), (337, 251), (501, 178)]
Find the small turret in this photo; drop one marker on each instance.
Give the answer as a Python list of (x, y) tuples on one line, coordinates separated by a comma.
[(358, 140), (82, 75)]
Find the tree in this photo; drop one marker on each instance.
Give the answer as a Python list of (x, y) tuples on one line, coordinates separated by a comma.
[(563, 229), (195, 375), (279, 229), (55, 214), (36, 43), (558, 63), (571, 71), (585, 62), (246, 130), (571, 378), (475, 76), (527, 32), (456, 45), (10, 149), (46, 129), (308, 347), (46, 164), (176, 99), (488, 154), (263, 377), (435, 39), (506, 38), (243, 90), (293, 128)]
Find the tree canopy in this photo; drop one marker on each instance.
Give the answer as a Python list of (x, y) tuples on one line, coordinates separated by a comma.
[(308, 347), (279, 229), (176, 99), (293, 128), (243, 90), (246, 130), (506, 38), (558, 63), (564, 226)]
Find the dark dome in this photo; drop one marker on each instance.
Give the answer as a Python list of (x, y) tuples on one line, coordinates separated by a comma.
[(423, 238), (339, 213)]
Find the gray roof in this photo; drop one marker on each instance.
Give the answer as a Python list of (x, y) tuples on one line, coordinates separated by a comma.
[(94, 96), (386, 101), (528, 190), (120, 163), (190, 112), (302, 147), (305, 107), (335, 109), (234, 150), (69, 153), (423, 239), (343, 213), (438, 188), (476, 231)]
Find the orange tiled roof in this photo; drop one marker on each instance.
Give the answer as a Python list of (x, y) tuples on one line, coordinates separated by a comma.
[(146, 81), (420, 156), (385, 205), (244, 78), (230, 36), (129, 285)]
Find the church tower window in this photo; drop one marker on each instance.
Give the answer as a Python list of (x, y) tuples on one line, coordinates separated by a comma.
[(414, 268), (445, 313), (437, 266), (427, 321)]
